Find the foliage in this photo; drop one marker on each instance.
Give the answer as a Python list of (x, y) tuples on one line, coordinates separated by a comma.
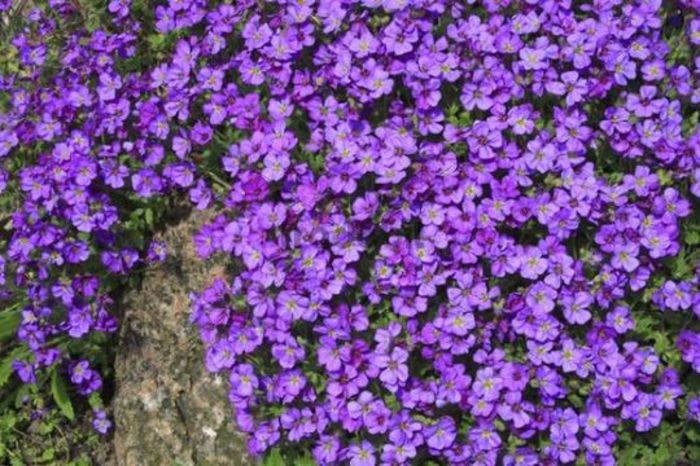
[(32, 432)]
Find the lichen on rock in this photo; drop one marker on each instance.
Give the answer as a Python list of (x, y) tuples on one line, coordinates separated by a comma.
[(168, 410)]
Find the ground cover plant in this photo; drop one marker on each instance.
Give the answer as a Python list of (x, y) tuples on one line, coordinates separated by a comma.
[(462, 232)]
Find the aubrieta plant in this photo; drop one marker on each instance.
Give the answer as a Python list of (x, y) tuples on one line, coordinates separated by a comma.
[(462, 232)]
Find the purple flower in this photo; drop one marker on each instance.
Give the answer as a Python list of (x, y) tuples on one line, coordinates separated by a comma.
[(361, 454), (446, 229), (327, 449), (394, 369), (442, 434), (576, 307), (620, 319), (80, 321), (243, 380), (593, 422), (100, 422), (541, 298), (645, 412), (484, 437), (532, 265), (487, 384), (625, 257), (694, 408), (85, 378)]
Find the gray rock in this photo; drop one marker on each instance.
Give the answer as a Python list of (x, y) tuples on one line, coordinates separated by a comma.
[(168, 410)]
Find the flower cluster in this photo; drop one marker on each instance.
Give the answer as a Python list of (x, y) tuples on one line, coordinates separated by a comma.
[(456, 226), (461, 268), (67, 156)]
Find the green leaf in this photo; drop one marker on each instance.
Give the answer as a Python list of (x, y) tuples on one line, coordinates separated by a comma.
[(693, 452), (663, 455), (304, 461), (81, 462), (60, 395), (274, 458), (5, 370), (95, 400), (48, 455), (148, 215), (156, 40), (665, 177), (693, 434), (6, 364), (628, 455), (9, 320), (692, 238)]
